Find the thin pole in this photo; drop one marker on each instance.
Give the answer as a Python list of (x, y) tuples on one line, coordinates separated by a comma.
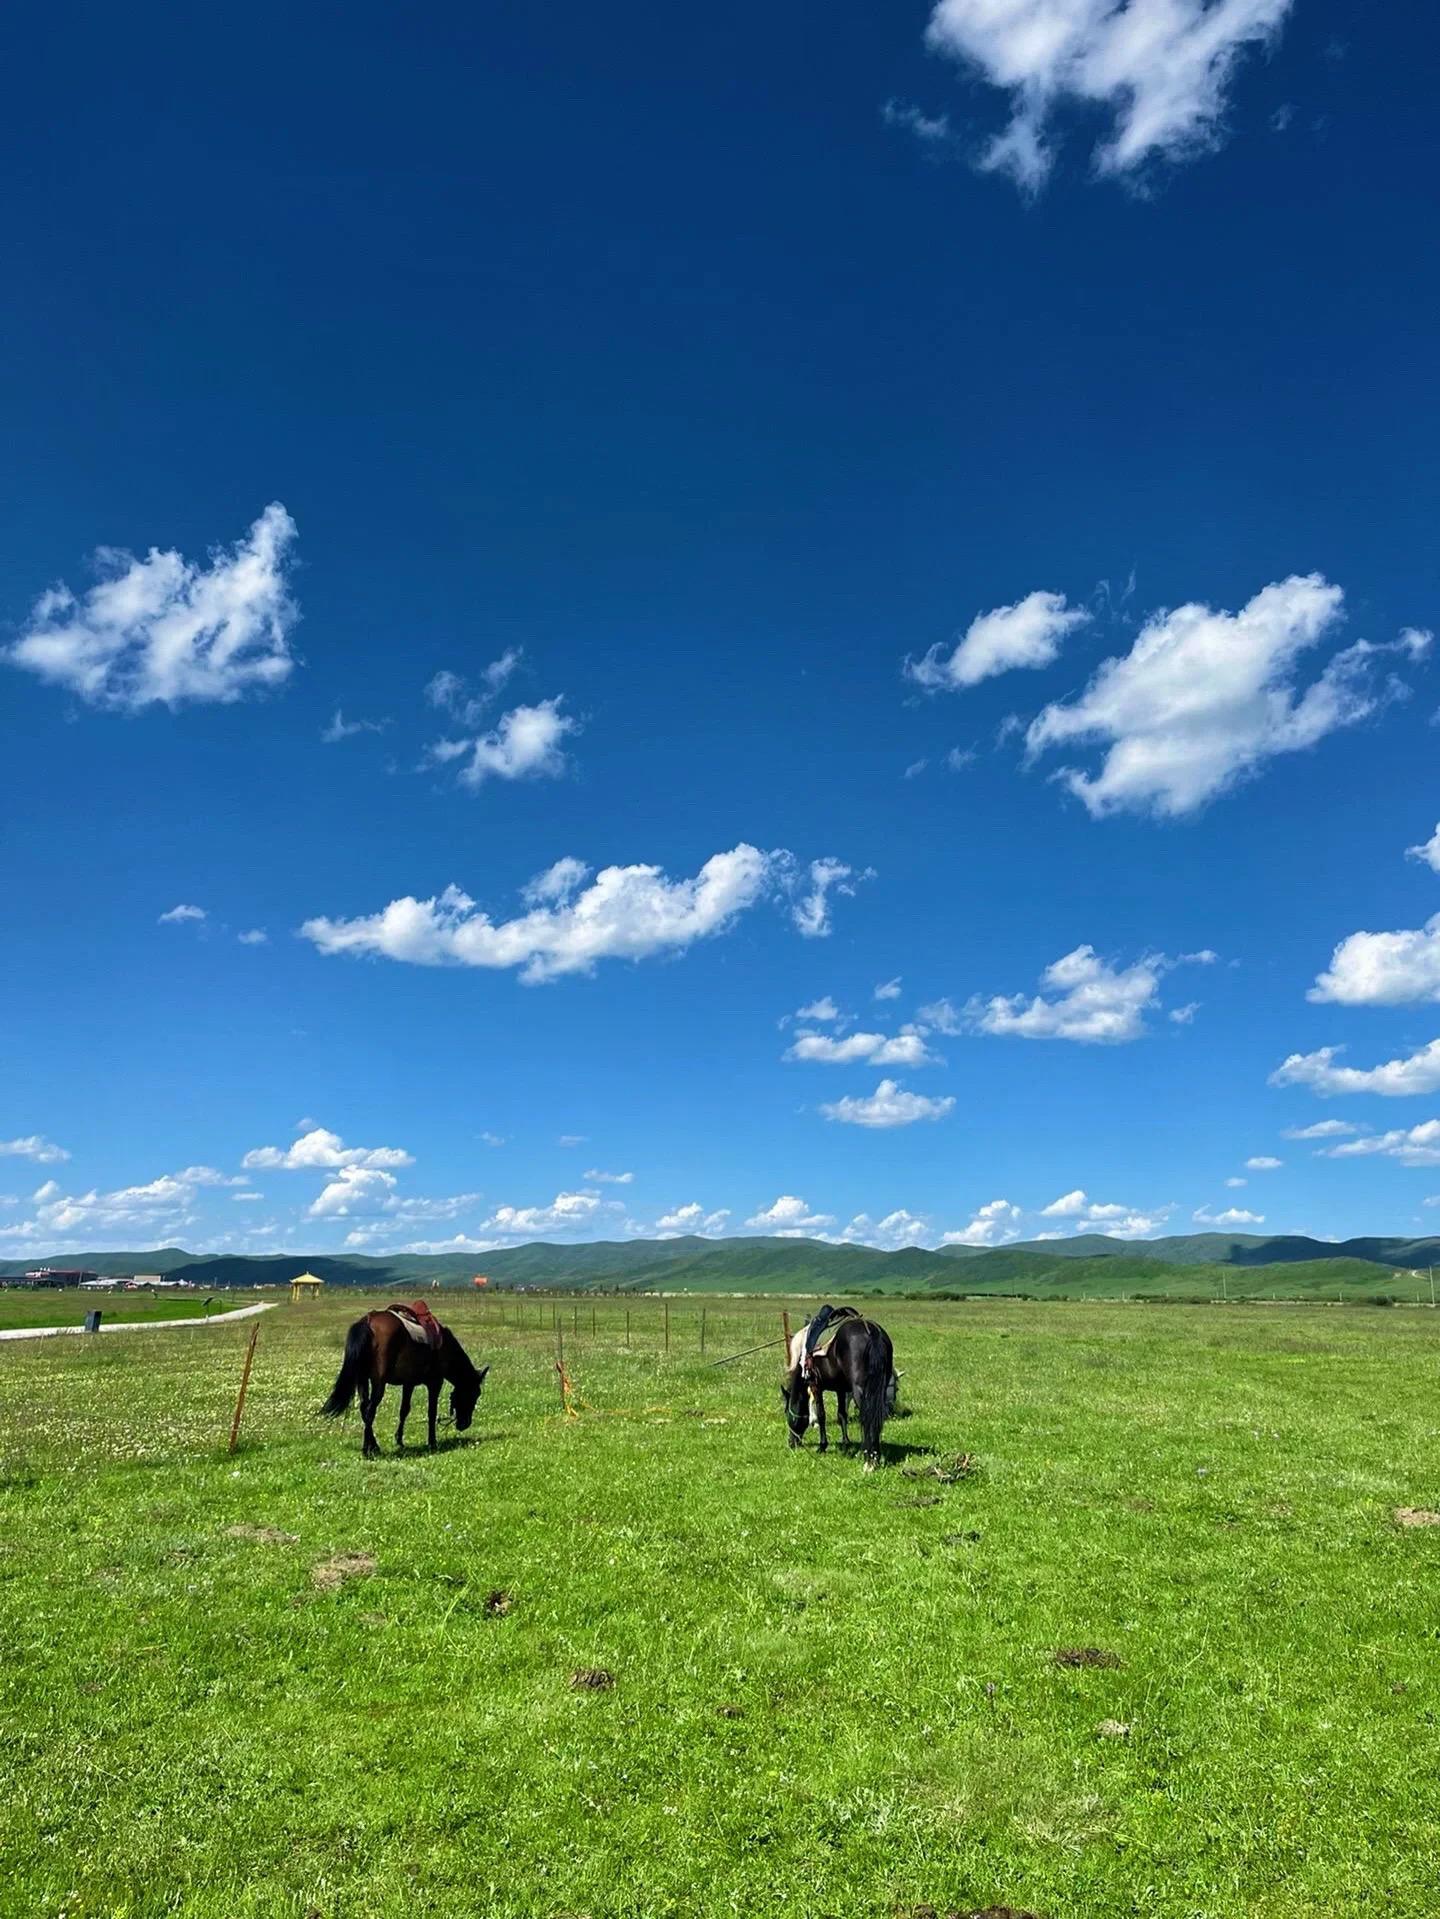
[(244, 1386), (592, 1320), (702, 1332), (560, 1359), (730, 1361)]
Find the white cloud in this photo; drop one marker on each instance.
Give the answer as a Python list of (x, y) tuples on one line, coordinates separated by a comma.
[(1429, 851), (1094, 1002), (1161, 67), (820, 1009), (573, 1139), (564, 1213), (452, 693), (1233, 1216), (609, 1179), (1184, 1015), (896, 1230), (811, 911), (626, 912), (691, 1219), (1412, 1145), (1383, 969), (161, 1205), (888, 989), (992, 1225), (178, 915), (525, 745), (790, 1216), (322, 1150), (1394, 1079), (493, 1139), (930, 130), (1203, 698), (959, 757), (1321, 1129), (887, 1106), (943, 1016), (1091, 1216), (915, 769), (354, 1189), (1027, 634), (33, 1146), (905, 1048), (165, 631), (256, 936), (1067, 1206), (1235, 1180), (342, 729), (1263, 1163)]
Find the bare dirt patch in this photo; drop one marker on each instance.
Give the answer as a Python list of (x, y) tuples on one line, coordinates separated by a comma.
[(1416, 1516), (1075, 1657), (498, 1603), (948, 1468), (329, 1575), (263, 1535), (951, 1912), (592, 1679)]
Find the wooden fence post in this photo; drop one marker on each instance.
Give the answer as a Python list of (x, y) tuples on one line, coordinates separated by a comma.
[(244, 1386)]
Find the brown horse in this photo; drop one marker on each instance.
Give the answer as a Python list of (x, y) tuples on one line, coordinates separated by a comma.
[(380, 1352)]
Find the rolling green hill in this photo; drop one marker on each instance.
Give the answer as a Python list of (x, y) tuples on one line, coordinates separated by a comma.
[(1201, 1265)]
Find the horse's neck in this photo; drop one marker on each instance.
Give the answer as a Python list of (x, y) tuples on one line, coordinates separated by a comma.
[(454, 1361)]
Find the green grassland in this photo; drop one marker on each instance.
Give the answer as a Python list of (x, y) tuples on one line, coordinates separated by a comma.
[(286, 1685), (68, 1306)]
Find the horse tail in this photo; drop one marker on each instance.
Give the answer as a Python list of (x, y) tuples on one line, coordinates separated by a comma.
[(874, 1387), (359, 1344)]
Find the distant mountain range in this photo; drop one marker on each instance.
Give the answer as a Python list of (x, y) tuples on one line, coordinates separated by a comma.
[(1091, 1263)]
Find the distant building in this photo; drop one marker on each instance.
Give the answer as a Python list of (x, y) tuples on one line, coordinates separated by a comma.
[(56, 1276), (480, 1279), (305, 1286)]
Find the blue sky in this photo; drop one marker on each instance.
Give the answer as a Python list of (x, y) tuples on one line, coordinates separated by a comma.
[(594, 532)]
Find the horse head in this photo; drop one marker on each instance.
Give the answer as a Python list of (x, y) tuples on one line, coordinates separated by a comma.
[(465, 1397)]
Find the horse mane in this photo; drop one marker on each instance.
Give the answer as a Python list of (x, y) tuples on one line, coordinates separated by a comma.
[(462, 1369)]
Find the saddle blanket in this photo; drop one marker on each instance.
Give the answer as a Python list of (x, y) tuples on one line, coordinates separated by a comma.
[(421, 1324)]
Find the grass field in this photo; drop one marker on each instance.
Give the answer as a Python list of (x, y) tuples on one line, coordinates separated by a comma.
[(69, 1306), (295, 1684)]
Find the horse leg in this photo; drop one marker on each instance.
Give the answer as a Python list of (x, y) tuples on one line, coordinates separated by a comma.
[(407, 1393), (434, 1391), (820, 1420), (371, 1447), (842, 1406)]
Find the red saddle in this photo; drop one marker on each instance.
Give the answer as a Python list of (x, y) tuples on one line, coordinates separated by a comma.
[(418, 1314)]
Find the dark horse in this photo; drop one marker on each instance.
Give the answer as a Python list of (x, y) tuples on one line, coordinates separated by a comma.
[(858, 1364), (379, 1352)]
